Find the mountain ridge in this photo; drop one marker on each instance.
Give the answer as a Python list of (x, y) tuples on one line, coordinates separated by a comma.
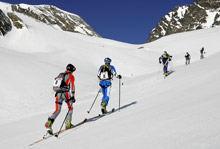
[(48, 14), (199, 15)]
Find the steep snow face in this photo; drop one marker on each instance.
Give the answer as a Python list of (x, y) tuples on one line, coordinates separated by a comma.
[(210, 19), (199, 15), (181, 11), (52, 16)]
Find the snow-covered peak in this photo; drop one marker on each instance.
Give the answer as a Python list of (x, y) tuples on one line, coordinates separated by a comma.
[(199, 15), (50, 15), (3, 4)]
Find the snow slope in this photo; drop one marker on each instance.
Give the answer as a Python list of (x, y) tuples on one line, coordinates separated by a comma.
[(180, 111)]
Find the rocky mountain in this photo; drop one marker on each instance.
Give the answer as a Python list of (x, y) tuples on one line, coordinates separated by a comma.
[(5, 24), (47, 14), (199, 15)]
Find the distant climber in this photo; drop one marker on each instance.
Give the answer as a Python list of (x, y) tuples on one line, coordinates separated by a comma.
[(202, 52), (188, 57), (165, 59)]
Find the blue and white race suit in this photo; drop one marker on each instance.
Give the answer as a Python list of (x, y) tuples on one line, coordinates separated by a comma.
[(106, 83)]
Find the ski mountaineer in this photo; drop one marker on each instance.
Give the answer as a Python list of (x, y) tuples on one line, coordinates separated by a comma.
[(202, 52), (165, 59), (68, 96), (188, 57), (105, 74)]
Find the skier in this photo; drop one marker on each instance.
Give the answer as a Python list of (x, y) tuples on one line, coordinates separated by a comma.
[(68, 96), (165, 59), (202, 52), (188, 57), (105, 74)]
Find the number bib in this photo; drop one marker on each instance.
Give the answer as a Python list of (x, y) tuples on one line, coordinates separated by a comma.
[(104, 76), (59, 84)]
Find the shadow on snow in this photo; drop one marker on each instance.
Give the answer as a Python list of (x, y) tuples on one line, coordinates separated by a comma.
[(102, 115)]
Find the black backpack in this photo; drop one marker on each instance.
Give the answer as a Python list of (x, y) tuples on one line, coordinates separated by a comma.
[(59, 83), (105, 73)]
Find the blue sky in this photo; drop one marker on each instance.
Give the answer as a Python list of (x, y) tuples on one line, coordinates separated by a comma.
[(128, 21)]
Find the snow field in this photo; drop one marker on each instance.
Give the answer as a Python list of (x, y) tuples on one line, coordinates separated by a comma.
[(180, 111)]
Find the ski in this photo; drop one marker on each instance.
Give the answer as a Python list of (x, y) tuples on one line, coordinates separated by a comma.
[(113, 109), (101, 115), (168, 73), (56, 134)]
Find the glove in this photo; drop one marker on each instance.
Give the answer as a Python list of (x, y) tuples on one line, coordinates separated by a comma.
[(73, 99), (160, 62), (119, 76)]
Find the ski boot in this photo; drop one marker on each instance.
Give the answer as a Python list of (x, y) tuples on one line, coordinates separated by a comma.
[(166, 73), (104, 111), (48, 125), (69, 125)]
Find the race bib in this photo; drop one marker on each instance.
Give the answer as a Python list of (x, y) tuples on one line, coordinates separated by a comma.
[(57, 84), (104, 76)]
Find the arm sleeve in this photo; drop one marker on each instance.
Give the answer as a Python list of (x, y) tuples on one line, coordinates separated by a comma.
[(170, 57), (160, 58), (71, 83), (99, 72), (114, 71)]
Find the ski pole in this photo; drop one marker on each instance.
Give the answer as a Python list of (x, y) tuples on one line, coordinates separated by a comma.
[(94, 101), (171, 66), (56, 135), (119, 94), (158, 71)]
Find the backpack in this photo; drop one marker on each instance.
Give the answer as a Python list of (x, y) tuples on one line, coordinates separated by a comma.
[(105, 73), (59, 83), (165, 56)]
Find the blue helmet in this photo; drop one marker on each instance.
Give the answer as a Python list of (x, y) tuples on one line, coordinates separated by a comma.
[(107, 61)]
